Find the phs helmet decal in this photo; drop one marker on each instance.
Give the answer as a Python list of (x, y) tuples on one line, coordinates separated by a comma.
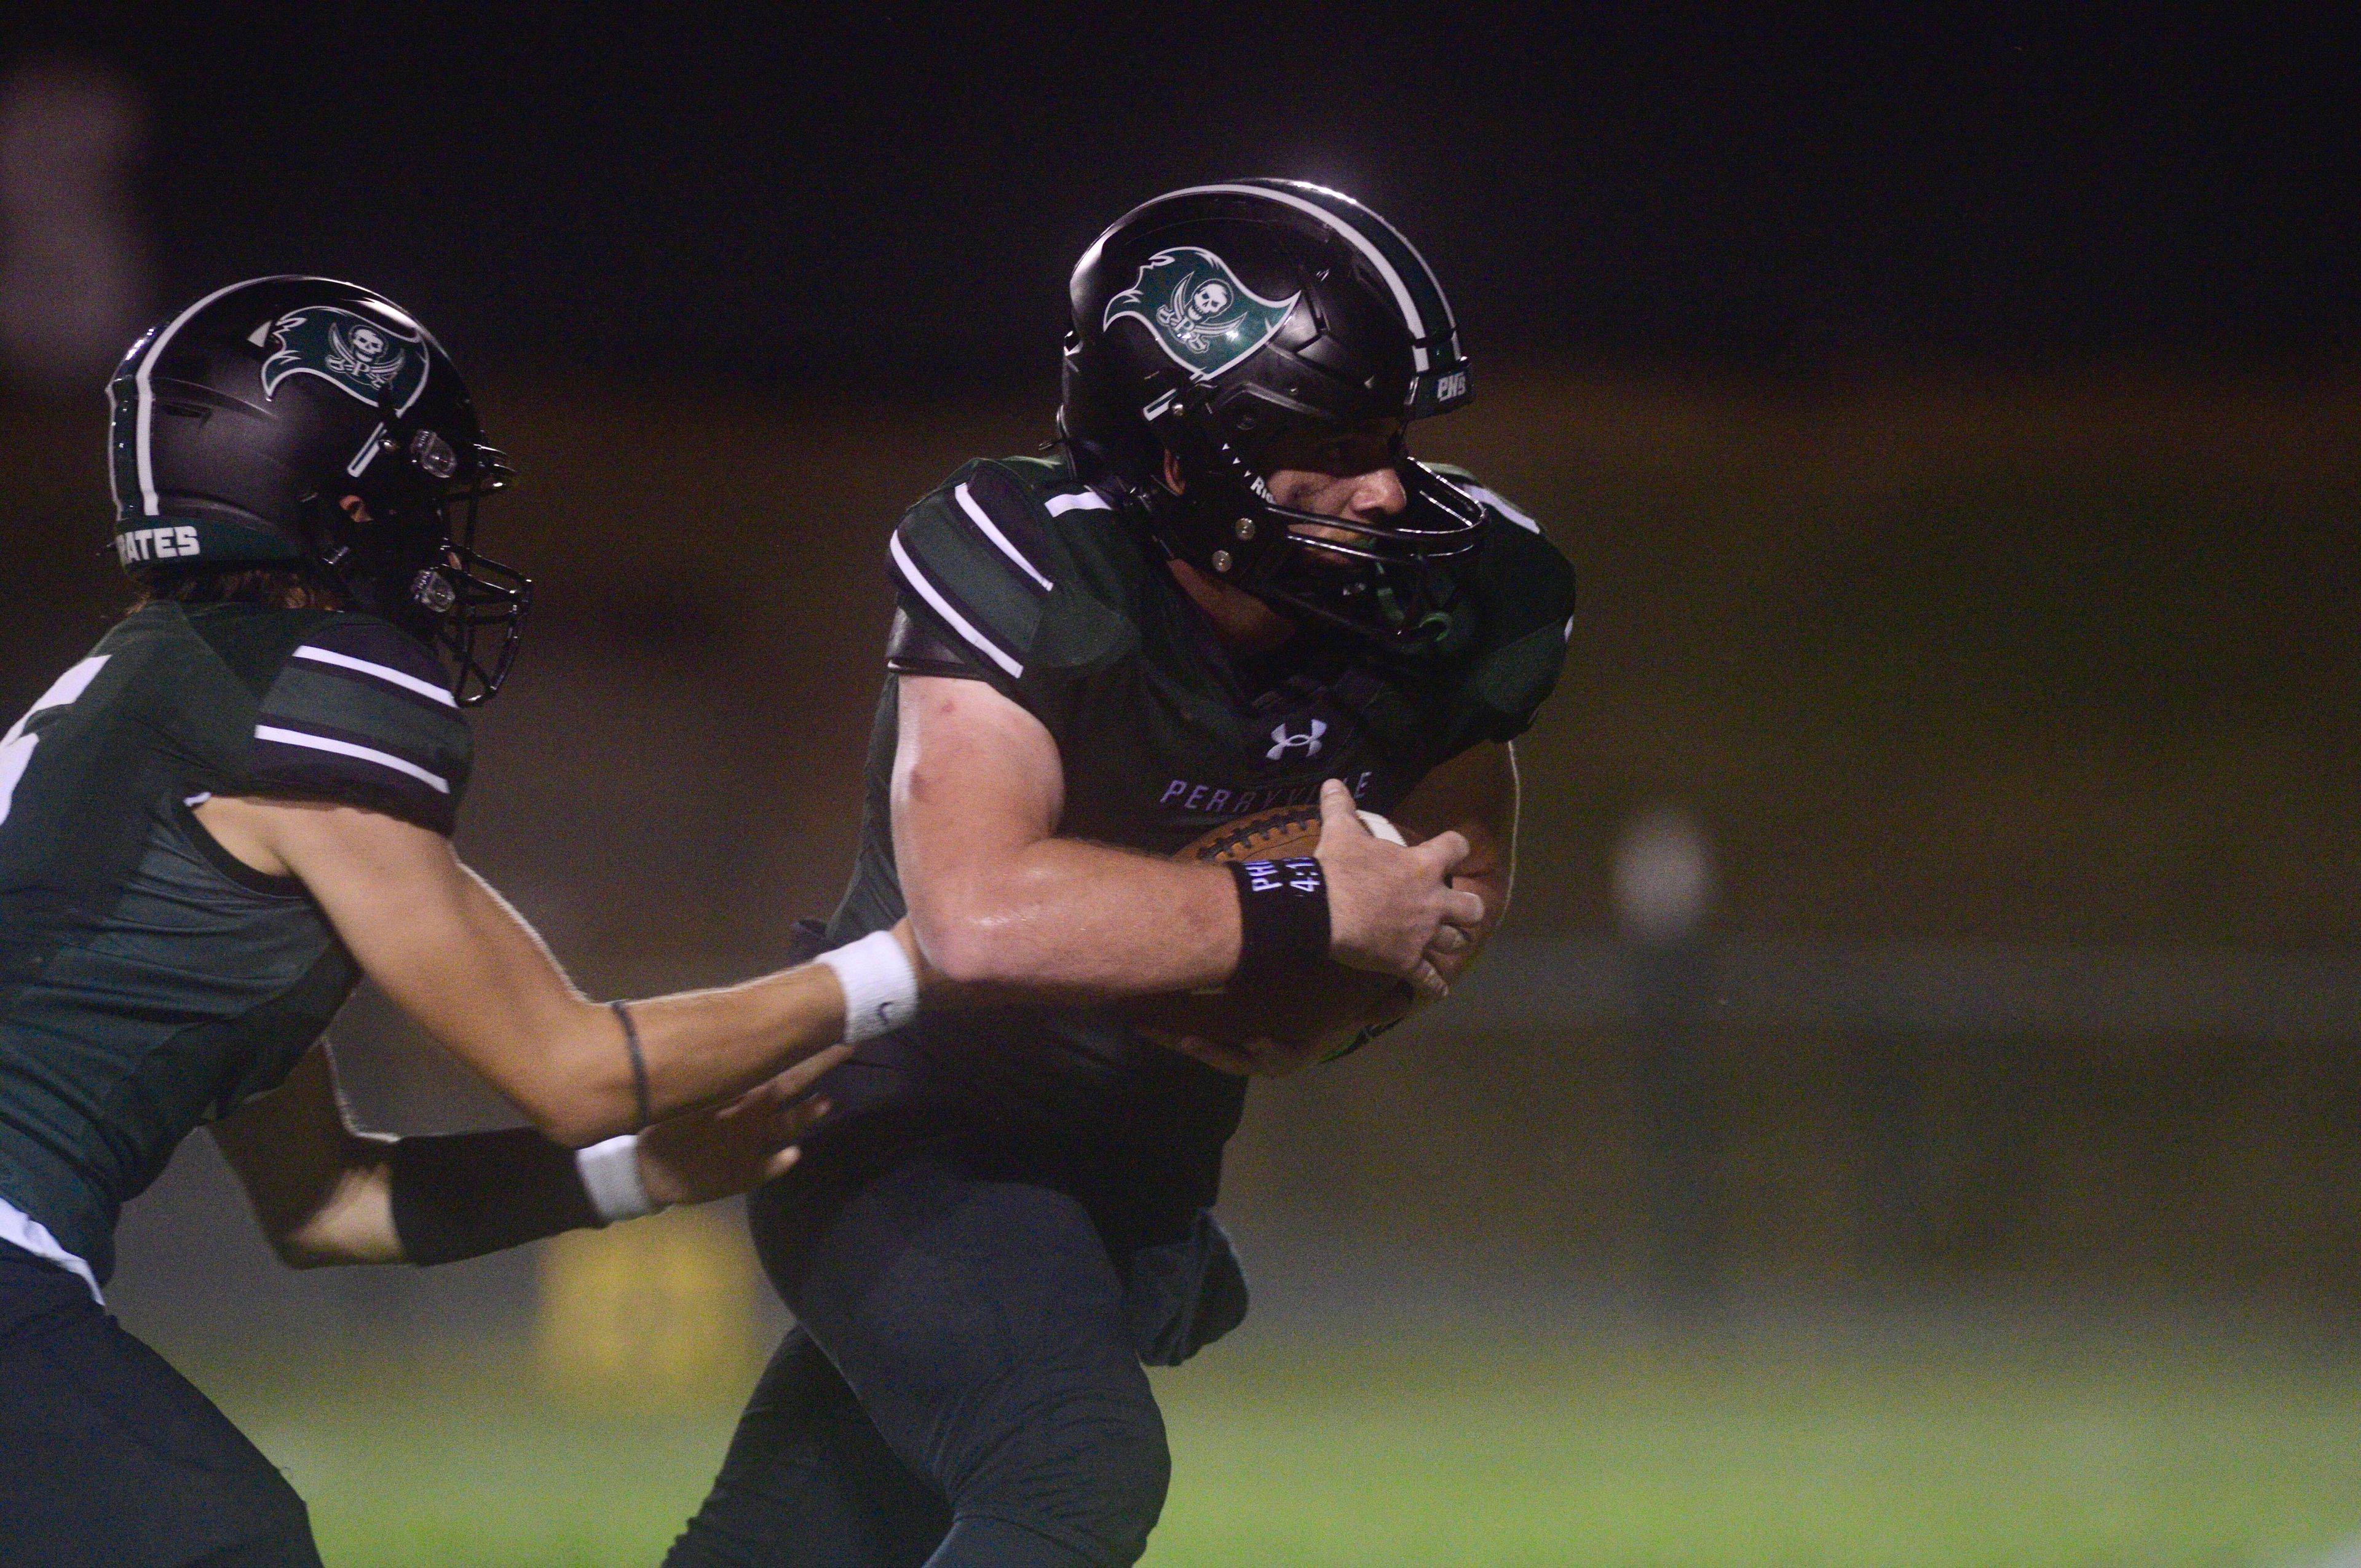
[(364, 358), (1200, 313)]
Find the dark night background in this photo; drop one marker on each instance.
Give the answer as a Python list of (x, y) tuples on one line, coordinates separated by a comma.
[(1952, 425), (791, 203), (1956, 426)]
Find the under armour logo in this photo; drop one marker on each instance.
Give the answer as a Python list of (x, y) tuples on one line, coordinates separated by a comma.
[(1283, 742)]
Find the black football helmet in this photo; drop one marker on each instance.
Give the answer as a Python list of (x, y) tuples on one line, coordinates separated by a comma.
[(1214, 320), (239, 426)]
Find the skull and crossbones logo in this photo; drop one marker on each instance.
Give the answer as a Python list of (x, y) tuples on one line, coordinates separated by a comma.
[(1194, 314), (363, 355)]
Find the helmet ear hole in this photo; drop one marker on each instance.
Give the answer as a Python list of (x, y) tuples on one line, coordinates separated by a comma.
[(433, 593), (433, 455)]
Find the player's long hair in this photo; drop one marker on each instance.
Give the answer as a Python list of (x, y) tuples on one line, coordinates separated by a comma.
[(271, 587)]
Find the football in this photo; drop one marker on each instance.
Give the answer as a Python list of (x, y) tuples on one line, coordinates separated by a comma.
[(1282, 831), (1334, 1002)]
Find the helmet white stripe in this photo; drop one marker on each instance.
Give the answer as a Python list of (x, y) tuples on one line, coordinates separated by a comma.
[(148, 505), (114, 481), (1361, 242), (1420, 257)]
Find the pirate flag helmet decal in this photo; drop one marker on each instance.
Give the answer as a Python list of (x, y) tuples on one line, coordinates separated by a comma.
[(1198, 311), (307, 422), (1212, 324), (370, 360)]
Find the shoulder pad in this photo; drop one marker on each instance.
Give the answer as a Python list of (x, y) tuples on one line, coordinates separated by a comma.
[(362, 714), (976, 554), (1053, 486), (1526, 588), (1490, 499)]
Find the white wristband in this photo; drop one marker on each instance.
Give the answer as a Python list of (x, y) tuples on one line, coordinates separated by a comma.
[(610, 1172), (881, 989)]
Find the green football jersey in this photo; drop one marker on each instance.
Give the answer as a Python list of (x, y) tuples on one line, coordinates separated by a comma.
[(1016, 574), (149, 981)]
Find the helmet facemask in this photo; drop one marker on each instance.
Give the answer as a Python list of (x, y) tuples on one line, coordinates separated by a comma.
[(409, 559), (1393, 580)]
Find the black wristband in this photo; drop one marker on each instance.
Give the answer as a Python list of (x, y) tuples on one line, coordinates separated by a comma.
[(464, 1194), (1283, 919)]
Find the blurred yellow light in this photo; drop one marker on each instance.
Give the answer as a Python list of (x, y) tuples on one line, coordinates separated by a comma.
[(659, 1314)]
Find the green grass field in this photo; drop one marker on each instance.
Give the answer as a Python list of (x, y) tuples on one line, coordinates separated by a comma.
[(2082, 1448)]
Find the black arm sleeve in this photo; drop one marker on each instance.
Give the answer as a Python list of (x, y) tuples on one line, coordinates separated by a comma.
[(464, 1194)]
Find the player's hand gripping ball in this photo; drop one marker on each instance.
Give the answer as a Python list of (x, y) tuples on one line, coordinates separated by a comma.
[(1328, 1006)]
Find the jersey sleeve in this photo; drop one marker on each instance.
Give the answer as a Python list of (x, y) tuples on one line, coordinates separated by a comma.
[(363, 715), (973, 562), (914, 647), (1525, 592)]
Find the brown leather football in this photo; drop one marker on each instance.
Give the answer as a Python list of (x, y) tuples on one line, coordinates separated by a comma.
[(1333, 1001), (1275, 834)]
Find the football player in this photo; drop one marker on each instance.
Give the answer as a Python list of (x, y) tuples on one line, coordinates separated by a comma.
[(1230, 587), (240, 803)]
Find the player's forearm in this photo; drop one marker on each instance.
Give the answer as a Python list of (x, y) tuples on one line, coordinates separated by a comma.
[(454, 955), (488, 989), (316, 1185), (570, 1068), (705, 1045), (1079, 922), (328, 1195), (441, 1199)]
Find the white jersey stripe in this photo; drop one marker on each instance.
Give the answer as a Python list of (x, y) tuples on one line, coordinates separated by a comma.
[(991, 531), (958, 623), (386, 673), (436, 782), (1360, 241), (1081, 500), (20, 1230)]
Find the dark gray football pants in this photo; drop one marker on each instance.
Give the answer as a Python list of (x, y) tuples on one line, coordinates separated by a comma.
[(962, 1391), (110, 1459)]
